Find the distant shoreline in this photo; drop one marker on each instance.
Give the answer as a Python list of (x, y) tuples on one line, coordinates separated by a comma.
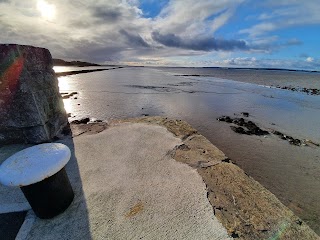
[(246, 68), (62, 74)]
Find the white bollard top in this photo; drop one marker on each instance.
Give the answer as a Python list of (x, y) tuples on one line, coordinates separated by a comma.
[(34, 164)]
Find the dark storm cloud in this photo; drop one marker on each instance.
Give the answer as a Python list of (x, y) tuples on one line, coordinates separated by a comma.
[(106, 14), (134, 39), (201, 44)]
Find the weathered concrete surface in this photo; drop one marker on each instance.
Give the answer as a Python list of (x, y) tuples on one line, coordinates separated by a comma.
[(244, 207), (31, 107), (128, 185)]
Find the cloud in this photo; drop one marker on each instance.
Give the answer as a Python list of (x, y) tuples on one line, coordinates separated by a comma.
[(121, 31), (282, 14), (252, 62), (309, 59), (116, 29), (85, 30), (195, 17), (201, 44), (106, 14), (134, 39)]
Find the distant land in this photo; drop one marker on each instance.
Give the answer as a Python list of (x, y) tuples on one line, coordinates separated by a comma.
[(270, 69), (60, 62)]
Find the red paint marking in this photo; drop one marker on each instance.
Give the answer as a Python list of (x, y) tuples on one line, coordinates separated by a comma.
[(11, 75), (9, 79)]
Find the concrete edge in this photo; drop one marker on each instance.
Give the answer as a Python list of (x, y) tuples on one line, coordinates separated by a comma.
[(26, 226), (244, 207)]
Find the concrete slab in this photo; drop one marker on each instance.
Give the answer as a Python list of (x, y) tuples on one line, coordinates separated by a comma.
[(151, 178), (128, 186)]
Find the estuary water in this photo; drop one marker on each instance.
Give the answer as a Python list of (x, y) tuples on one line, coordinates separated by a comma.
[(291, 172)]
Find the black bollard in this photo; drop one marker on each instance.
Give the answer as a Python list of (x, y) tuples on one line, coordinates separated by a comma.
[(51, 196)]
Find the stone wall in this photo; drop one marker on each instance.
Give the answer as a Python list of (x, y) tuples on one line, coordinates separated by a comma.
[(31, 107)]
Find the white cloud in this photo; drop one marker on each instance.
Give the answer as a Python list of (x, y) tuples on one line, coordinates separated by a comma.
[(89, 30), (252, 62), (118, 31), (112, 30), (191, 17), (284, 14), (310, 59)]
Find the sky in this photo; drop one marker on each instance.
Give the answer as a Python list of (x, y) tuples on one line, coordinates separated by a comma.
[(206, 33)]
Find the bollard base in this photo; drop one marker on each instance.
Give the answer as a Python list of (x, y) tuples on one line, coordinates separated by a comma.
[(51, 196)]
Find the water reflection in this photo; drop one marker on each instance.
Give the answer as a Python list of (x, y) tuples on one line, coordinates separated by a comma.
[(67, 105), (133, 92)]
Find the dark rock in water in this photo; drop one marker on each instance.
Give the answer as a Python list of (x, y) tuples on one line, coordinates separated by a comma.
[(249, 128), (238, 121), (81, 121), (97, 121), (309, 91), (290, 139), (245, 114), (68, 95), (221, 119), (31, 107), (254, 129), (277, 133), (228, 120), (238, 130)]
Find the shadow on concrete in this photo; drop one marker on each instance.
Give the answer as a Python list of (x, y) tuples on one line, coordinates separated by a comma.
[(71, 224), (74, 222), (10, 224)]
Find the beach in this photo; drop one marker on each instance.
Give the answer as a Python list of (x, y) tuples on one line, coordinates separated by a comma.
[(290, 172)]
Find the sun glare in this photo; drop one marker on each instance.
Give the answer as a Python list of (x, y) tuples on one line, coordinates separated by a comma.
[(47, 10)]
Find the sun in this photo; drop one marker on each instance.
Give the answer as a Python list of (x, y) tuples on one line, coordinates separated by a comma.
[(47, 10)]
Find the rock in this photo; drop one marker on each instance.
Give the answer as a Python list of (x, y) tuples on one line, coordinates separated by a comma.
[(277, 133), (239, 121), (31, 107), (68, 95), (250, 127), (225, 119), (311, 91), (81, 121), (245, 114), (238, 130), (254, 129), (228, 120), (97, 121), (290, 139)]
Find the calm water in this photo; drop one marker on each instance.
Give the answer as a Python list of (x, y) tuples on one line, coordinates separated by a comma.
[(291, 173)]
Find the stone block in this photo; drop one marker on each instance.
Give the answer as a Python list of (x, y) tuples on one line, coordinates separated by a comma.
[(31, 107)]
